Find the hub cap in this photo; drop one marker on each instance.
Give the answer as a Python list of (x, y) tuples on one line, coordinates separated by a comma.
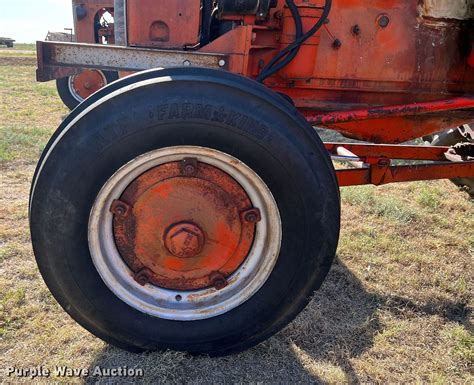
[(183, 222), (184, 233), (84, 84)]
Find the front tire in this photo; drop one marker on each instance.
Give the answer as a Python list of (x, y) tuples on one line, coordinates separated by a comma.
[(243, 128)]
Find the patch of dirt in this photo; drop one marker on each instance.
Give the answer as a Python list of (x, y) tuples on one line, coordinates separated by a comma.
[(17, 61)]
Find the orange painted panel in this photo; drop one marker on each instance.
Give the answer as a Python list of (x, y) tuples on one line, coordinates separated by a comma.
[(163, 23)]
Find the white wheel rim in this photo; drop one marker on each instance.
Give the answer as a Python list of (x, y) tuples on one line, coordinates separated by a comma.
[(196, 304)]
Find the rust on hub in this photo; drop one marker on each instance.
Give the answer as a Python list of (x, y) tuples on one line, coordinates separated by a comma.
[(87, 82), (119, 208), (218, 280), (184, 240), (143, 276), (189, 224)]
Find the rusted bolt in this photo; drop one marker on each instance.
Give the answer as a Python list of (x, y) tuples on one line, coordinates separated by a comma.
[(278, 15), (356, 29), (336, 44), (189, 166), (218, 280), (119, 208), (252, 216), (383, 21), (87, 85), (184, 240), (143, 276)]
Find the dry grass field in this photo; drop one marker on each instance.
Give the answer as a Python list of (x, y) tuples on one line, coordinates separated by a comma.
[(396, 307)]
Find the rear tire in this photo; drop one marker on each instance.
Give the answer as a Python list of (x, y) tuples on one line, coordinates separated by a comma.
[(71, 98), (203, 109)]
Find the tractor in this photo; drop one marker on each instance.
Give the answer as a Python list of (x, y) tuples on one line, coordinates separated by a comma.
[(191, 205), (93, 24)]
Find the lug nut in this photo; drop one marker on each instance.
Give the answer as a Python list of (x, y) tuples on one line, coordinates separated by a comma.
[(119, 208), (189, 166), (143, 276), (252, 216), (218, 280)]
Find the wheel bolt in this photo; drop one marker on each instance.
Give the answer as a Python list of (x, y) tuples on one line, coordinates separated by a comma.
[(143, 276), (119, 208), (218, 280), (252, 216), (189, 169), (189, 166)]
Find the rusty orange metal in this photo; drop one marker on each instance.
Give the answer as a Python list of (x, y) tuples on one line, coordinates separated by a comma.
[(384, 174), (184, 226), (153, 23), (381, 60), (375, 163), (86, 15), (388, 124), (87, 82), (184, 240)]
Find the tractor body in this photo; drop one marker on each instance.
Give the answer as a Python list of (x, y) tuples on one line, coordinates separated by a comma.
[(368, 54)]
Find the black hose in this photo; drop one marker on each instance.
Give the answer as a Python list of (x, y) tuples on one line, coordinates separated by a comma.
[(292, 50), (299, 32)]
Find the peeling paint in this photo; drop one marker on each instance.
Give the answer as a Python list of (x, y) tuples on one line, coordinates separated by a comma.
[(447, 9)]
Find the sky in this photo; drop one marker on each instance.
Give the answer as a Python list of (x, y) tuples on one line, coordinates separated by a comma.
[(29, 20)]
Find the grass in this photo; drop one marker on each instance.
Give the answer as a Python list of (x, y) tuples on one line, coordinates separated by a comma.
[(396, 307), (19, 47)]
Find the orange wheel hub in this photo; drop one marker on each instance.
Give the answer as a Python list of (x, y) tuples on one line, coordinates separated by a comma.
[(88, 82), (184, 226)]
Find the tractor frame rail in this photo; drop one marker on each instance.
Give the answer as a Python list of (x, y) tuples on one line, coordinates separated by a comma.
[(60, 59), (372, 163), (411, 109)]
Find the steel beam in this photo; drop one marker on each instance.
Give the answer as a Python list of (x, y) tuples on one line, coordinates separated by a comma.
[(378, 175), (57, 59), (363, 150)]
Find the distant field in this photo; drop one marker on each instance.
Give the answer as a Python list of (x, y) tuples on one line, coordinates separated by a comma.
[(20, 46), (396, 307)]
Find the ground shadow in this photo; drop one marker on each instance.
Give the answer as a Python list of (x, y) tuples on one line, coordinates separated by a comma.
[(338, 325)]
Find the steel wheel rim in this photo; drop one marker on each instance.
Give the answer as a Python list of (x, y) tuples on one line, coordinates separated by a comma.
[(195, 304), (72, 89)]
